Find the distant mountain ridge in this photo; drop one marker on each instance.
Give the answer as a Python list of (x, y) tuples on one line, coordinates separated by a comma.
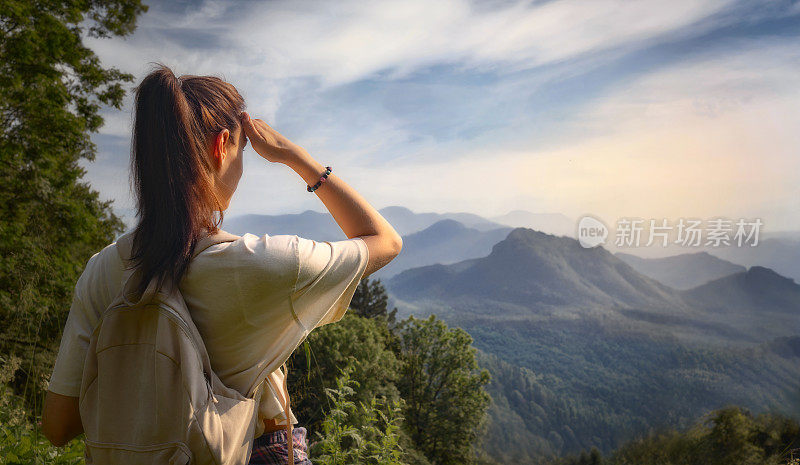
[(321, 225), (406, 221), (683, 271), (531, 274), (757, 288), (309, 224), (551, 223), (781, 254), (446, 241), (538, 270), (779, 251)]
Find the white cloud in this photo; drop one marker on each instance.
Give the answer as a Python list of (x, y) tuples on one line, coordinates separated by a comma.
[(354, 39), (275, 50), (709, 85), (714, 136), (680, 137), (346, 41)]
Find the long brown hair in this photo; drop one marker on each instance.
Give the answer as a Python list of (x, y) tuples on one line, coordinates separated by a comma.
[(175, 120)]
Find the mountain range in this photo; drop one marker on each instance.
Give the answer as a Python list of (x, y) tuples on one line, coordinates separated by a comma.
[(615, 349), (683, 271), (779, 251)]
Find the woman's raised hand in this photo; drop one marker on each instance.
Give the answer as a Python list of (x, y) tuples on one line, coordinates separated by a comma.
[(267, 142)]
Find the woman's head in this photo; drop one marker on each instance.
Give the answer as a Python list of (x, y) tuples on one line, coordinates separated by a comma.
[(186, 162)]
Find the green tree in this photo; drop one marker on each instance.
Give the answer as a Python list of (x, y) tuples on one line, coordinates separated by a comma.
[(722, 437), (443, 389), (370, 300), (354, 340), (51, 90), (731, 439), (593, 457)]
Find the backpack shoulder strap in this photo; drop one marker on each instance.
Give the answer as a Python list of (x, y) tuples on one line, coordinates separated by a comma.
[(287, 409)]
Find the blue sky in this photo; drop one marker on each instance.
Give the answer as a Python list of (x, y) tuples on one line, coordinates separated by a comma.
[(612, 108)]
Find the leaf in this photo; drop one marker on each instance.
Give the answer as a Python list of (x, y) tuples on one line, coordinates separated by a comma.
[(307, 352)]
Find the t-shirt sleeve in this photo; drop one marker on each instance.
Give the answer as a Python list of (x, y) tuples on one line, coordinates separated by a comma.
[(68, 370), (328, 275)]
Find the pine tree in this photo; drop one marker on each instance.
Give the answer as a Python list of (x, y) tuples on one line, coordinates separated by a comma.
[(370, 301)]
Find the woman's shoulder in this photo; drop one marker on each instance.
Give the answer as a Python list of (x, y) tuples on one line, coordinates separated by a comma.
[(250, 245), (100, 277), (274, 254)]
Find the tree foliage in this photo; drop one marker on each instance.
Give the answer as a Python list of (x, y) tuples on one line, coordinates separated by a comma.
[(370, 301), (564, 385), (358, 432), (51, 89), (353, 340), (721, 437), (443, 389), (427, 368)]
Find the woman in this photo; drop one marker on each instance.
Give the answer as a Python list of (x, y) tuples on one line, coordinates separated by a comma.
[(255, 299)]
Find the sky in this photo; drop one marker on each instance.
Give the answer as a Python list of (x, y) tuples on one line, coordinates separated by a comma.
[(647, 109)]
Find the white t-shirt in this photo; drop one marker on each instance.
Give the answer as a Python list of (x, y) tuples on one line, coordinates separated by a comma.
[(254, 301)]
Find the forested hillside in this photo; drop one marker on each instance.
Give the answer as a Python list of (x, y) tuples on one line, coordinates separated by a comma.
[(597, 353), (722, 437)]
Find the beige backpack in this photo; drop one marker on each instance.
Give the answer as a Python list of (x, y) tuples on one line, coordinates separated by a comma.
[(148, 393)]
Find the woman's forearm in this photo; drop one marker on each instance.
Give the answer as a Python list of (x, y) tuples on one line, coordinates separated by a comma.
[(351, 211), (61, 418)]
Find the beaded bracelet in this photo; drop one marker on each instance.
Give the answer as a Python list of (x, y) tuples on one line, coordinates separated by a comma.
[(322, 179)]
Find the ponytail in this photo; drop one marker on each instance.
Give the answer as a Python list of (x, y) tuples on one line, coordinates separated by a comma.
[(173, 176)]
